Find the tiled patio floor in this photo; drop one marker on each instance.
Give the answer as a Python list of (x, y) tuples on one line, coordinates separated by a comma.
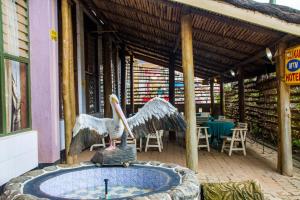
[(219, 167)]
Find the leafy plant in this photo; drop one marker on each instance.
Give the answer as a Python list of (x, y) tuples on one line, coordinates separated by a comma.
[(296, 143)]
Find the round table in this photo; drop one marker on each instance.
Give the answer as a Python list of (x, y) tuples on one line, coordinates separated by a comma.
[(218, 129)]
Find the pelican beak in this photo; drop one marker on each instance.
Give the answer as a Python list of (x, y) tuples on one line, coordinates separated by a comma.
[(122, 117)]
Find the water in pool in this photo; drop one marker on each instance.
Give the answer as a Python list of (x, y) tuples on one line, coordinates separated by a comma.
[(98, 192), (88, 182)]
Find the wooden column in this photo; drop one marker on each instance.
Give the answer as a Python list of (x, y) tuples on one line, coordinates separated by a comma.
[(115, 69), (172, 79), (189, 92), (222, 103), (241, 94), (68, 76), (172, 134), (123, 78), (285, 159), (131, 85), (212, 97), (107, 79)]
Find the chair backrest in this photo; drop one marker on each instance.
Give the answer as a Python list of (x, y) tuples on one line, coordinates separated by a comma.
[(161, 133), (201, 131), (242, 125), (244, 134), (228, 120), (239, 133), (221, 117), (205, 114), (236, 134)]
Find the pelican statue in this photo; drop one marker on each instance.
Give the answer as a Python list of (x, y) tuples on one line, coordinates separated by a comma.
[(156, 114)]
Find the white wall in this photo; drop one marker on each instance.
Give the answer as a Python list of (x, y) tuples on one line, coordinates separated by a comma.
[(18, 154)]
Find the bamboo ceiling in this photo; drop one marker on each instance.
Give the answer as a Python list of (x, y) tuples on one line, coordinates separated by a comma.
[(151, 30)]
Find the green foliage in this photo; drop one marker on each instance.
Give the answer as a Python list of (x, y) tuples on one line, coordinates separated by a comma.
[(256, 130), (296, 143)]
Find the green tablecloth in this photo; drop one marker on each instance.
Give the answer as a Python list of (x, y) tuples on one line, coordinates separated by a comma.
[(218, 129)]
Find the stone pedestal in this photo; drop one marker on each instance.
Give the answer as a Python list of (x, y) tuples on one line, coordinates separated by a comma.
[(118, 156)]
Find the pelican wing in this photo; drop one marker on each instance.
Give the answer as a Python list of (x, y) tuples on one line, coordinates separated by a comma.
[(157, 114), (88, 130)]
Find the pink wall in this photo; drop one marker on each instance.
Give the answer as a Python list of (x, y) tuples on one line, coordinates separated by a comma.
[(44, 78)]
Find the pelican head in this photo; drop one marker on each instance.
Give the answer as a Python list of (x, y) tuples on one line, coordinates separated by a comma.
[(114, 102)]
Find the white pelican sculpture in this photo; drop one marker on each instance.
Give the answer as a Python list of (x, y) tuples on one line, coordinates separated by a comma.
[(157, 114)]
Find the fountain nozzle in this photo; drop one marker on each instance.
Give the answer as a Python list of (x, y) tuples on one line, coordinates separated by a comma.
[(106, 188)]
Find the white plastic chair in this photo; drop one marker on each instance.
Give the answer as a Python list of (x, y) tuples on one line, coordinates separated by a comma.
[(140, 147), (129, 141), (202, 133), (221, 117), (231, 143), (156, 136), (98, 145)]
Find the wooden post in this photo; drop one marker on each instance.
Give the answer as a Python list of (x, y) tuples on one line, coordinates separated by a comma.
[(107, 79), (241, 94), (66, 73), (172, 79), (72, 78), (172, 134), (131, 85), (212, 97), (189, 92), (222, 103), (123, 78), (115, 70), (285, 159)]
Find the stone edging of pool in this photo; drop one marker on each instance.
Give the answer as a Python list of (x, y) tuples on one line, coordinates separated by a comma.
[(188, 189)]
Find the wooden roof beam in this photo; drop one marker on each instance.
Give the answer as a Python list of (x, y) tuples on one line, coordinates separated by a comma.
[(178, 60), (89, 4), (130, 20), (177, 63), (244, 15), (165, 64), (136, 11), (200, 44), (242, 23), (151, 53), (206, 53), (204, 60), (146, 43), (201, 51), (222, 37), (206, 50), (169, 34), (148, 38), (138, 46), (177, 44), (262, 52), (197, 30), (145, 30)]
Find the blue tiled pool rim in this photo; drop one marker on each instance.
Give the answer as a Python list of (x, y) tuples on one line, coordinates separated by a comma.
[(53, 185), (188, 187)]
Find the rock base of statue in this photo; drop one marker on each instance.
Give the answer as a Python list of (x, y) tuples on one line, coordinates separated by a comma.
[(118, 156)]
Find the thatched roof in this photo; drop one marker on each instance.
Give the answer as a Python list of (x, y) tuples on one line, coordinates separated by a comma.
[(151, 30), (281, 12)]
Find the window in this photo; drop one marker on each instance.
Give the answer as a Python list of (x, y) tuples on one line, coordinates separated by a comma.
[(14, 66)]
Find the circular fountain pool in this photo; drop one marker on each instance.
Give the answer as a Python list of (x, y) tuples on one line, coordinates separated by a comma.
[(86, 181)]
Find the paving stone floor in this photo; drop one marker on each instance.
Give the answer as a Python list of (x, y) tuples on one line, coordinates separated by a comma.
[(219, 167)]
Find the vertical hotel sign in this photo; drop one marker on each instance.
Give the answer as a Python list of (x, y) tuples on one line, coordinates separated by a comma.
[(292, 66)]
